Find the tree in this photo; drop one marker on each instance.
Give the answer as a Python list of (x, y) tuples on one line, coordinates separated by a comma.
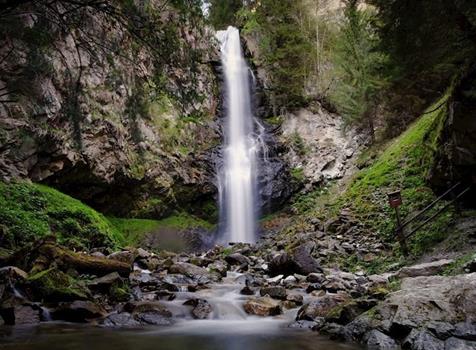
[(285, 50), (222, 12), (428, 43), (358, 68)]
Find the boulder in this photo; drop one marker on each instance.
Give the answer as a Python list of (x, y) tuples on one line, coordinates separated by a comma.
[(218, 267), (262, 306), (435, 303), (303, 261), (321, 306), (295, 298), (78, 311), (124, 256), (105, 282), (426, 269), (197, 273), (21, 314), (377, 340), (280, 264), (422, 340), (237, 259), (123, 319), (201, 308), (275, 292), (459, 344), (56, 286), (147, 306), (246, 290)]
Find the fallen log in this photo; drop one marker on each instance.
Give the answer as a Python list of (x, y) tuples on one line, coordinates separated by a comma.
[(83, 263)]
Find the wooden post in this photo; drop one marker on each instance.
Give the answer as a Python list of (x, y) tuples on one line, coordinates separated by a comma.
[(400, 234), (395, 201)]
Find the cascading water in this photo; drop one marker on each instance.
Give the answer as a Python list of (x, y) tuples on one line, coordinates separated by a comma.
[(238, 175)]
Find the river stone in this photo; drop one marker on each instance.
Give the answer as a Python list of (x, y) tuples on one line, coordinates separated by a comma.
[(196, 272), (153, 318), (219, 267), (321, 306), (246, 290), (123, 319), (426, 269), (125, 256), (281, 264), (78, 311), (147, 306), (377, 340), (262, 306), (459, 344), (303, 261), (295, 298), (201, 308), (316, 278), (106, 281), (237, 259), (422, 340), (20, 314), (12, 274), (275, 292), (466, 330)]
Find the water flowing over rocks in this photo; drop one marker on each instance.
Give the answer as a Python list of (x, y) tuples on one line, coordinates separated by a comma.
[(423, 312)]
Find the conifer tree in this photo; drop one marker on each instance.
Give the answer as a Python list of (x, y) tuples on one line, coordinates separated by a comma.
[(358, 68)]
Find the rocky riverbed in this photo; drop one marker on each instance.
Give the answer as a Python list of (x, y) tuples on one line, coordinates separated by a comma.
[(411, 308)]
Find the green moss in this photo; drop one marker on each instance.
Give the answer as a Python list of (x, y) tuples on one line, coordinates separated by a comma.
[(297, 175), (457, 267), (54, 285), (298, 144), (120, 292), (31, 211), (404, 166)]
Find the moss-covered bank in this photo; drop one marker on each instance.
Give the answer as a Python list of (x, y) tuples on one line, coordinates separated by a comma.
[(30, 211)]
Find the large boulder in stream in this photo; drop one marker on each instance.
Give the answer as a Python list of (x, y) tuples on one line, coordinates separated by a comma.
[(275, 292), (299, 260), (197, 273), (201, 308), (262, 306), (321, 306)]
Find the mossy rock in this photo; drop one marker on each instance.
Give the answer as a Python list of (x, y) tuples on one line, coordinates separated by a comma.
[(54, 285), (30, 211), (119, 292)]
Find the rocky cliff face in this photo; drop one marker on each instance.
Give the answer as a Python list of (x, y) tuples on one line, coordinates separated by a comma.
[(120, 119), (456, 154), (318, 145)]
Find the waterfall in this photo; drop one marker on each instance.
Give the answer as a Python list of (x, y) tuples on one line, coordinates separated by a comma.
[(237, 177)]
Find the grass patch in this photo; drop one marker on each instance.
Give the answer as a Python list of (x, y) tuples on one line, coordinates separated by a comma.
[(403, 165), (135, 230), (30, 211)]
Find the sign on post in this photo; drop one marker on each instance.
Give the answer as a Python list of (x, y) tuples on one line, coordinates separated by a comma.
[(395, 199)]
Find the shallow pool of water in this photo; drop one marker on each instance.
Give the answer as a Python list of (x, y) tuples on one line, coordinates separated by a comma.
[(56, 336)]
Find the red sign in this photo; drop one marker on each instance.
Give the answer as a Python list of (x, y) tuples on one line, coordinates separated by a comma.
[(395, 199)]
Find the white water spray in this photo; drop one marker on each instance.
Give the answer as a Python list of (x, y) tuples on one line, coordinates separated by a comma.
[(237, 178)]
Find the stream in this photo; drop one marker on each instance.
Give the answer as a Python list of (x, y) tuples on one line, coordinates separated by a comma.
[(227, 328)]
